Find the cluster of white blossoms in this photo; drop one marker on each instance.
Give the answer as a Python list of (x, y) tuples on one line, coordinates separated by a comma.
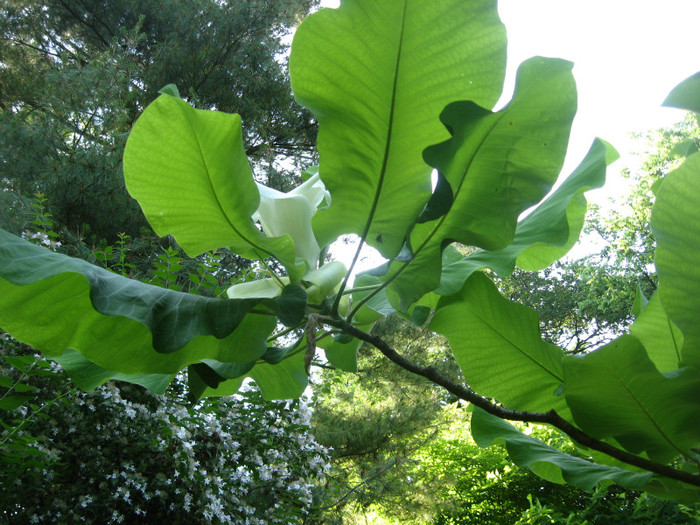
[(123, 455), (42, 239)]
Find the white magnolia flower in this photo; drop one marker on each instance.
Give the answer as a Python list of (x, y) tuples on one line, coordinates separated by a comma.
[(290, 213)]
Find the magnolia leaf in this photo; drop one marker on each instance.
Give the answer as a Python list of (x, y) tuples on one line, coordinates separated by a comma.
[(685, 95), (498, 346), (189, 172), (497, 166), (342, 355), (375, 73), (88, 376), (420, 314), (660, 336), (617, 392), (341, 352), (292, 303), (547, 462), (675, 222), (285, 380), (53, 303), (546, 234), (671, 489), (684, 149), (203, 380)]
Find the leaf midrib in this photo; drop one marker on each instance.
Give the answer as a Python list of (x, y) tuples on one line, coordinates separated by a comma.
[(390, 128)]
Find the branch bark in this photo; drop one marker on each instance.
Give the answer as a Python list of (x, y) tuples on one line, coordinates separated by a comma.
[(551, 417)]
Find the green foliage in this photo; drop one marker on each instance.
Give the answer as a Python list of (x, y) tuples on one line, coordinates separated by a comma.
[(376, 422), (122, 455), (581, 304), (380, 136), (76, 76)]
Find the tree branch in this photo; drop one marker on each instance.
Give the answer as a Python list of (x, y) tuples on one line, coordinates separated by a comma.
[(551, 417)]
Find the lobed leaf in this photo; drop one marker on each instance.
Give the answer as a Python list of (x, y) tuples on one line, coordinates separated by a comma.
[(189, 172), (497, 165), (545, 235)]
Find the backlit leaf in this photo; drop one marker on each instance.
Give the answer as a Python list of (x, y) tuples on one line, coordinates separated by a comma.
[(376, 73)]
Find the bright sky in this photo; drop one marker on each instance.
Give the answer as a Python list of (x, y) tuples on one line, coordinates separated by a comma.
[(628, 55)]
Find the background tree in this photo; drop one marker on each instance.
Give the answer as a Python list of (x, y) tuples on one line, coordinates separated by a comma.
[(375, 422), (73, 78), (75, 75)]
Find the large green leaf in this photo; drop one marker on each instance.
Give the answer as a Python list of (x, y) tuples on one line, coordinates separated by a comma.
[(376, 73), (675, 222), (545, 235), (341, 354), (284, 380), (617, 392), (189, 172), (88, 376), (498, 346), (547, 462), (661, 338), (54, 303), (497, 165)]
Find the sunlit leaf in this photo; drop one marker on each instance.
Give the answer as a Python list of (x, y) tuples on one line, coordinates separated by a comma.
[(189, 172), (497, 165), (617, 392), (498, 346), (685, 95), (546, 234), (376, 73), (547, 462), (659, 335), (88, 376), (54, 303), (675, 222)]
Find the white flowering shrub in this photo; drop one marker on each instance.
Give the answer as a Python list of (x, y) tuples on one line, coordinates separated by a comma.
[(122, 455)]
